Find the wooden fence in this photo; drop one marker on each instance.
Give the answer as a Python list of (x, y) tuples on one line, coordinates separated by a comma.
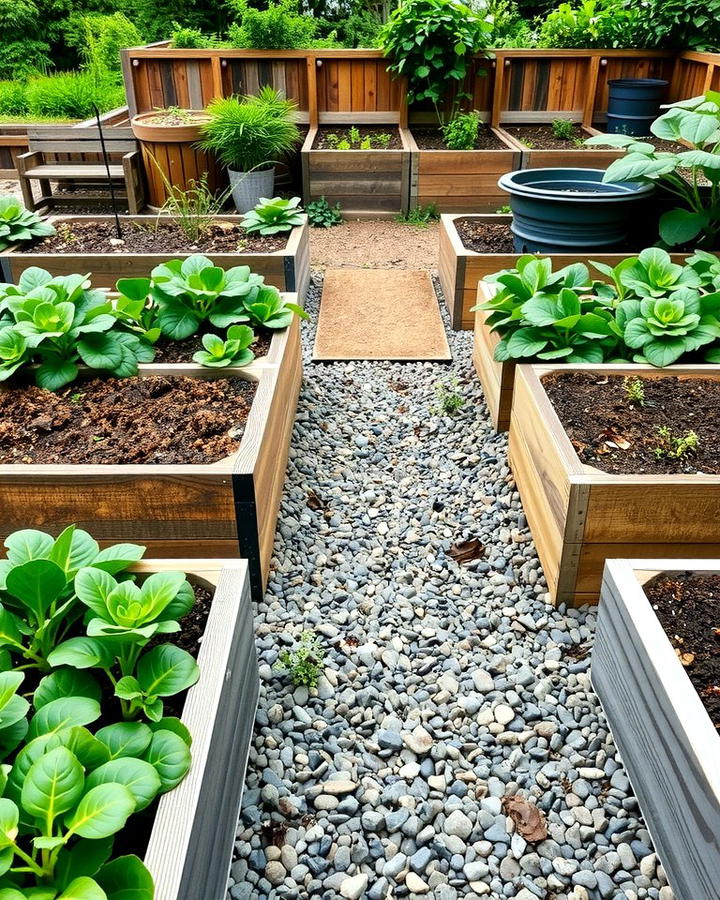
[(354, 86)]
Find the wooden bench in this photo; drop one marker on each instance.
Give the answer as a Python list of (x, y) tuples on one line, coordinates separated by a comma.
[(73, 156)]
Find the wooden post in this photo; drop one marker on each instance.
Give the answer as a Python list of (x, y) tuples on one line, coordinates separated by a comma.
[(403, 111), (707, 85), (128, 78), (312, 90), (498, 89), (592, 86), (217, 85)]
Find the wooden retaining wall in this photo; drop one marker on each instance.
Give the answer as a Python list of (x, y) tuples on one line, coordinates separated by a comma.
[(354, 86)]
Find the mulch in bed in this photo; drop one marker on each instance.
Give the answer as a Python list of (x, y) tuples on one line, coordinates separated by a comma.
[(688, 608), (321, 142), (154, 419), (482, 237), (154, 237), (615, 435), (432, 139)]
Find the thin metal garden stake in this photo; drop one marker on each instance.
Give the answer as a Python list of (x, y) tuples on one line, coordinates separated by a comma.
[(106, 160)]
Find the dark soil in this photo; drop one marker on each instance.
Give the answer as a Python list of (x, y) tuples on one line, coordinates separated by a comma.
[(170, 117), (485, 238), (541, 137), (154, 237), (432, 139), (688, 607), (167, 351), (615, 435), (321, 143), (158, 419)]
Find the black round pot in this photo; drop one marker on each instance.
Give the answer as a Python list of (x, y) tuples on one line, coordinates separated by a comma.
[(571, 210), (634, 104)]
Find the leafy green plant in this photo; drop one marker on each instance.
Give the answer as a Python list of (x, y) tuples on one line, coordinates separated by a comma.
[(60, 323), (233, 351), (687, 24), (18, 224), (592, 23), (461, 132), (563, 129), (449, 400), (432, 42), (123, 618), (269, 309), (195, 207), (650, 274), (279, 27), (253, 132), (419, 216), (304, 663), (353, 140), (634, 389), (675, 446), (321, 215), (185, 38), (273, 216), (697, 122), (38, 604)]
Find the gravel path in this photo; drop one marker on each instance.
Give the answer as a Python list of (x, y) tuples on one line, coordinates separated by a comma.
[(446, 687)]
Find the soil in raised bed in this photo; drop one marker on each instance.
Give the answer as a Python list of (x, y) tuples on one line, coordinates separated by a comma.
[(155, 419), (483, 237), (541, 137), (153, 237), (432, 139), (687, 605), (620, 437), (168, 351), (173, 117), (321, 142)]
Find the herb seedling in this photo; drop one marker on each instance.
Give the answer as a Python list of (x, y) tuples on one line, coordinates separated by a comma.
[(563, 129), (675, 446), (449, 401), (304, 663), (321, 215), (419, 216), (634, 390)]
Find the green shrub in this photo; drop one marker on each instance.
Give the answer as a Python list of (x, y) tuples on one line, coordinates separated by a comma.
[(71, 95), (182, 38), (593, 23), (253, 132), (21, 59), (279, 27), (680, 24), (13, 101), (461, 132), (99, 39)]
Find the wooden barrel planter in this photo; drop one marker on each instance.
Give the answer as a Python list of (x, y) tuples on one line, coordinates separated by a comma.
[(167, 143)]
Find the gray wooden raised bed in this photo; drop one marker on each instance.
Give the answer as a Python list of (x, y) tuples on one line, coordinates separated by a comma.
[(191, 843), (669, 745)]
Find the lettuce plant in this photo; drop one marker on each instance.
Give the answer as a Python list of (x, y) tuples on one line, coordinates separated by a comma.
[(233, 351), (651, 274), (696, 122), (18, 224), (122, 619), (60, 323), (269, 309), (273, 216)]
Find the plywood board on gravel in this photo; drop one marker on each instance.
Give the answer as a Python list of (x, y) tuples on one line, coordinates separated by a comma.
[(388, 314)]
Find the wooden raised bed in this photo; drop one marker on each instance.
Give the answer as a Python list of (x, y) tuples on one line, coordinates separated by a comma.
[(461, 269), (288, 269), (193, 833), (669, 745), (460, 180), (366, 183), (574, 157), (580, 516), (224, 509)]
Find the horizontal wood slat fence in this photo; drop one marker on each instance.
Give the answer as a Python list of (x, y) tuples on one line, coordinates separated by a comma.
[(354, 86)]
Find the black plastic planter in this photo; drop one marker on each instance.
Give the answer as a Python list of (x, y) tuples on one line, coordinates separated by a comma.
[(634, 104), (571, 210)]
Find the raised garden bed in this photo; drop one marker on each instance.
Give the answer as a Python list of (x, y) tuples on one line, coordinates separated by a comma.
[(579, 515), (669, 743), (459, 180), (193, 832), (541, 149), (366, 183), (224, 508), (287, 267), (462, 268)]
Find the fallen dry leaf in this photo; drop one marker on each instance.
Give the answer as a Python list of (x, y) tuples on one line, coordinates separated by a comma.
[(313, 500), (528, 819), (467, 551)]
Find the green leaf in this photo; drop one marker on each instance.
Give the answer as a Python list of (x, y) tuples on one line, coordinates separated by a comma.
[(137, 775), (680, 226), (9, 683), (9, 818), (126, 878), (117, 557), (63, 713), (89, 750), (134, 288), (171, 757), (126, 738), (27, 544), (525, 343), (158, 591), (102, 811), (53, 785), (13, 711), (82, 653), (83, 858), (127, 688), (166, 670), (37, 585), (55, 373), (664, 352), (93, 586), (83, 888), (170, 723), (65, 683)]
